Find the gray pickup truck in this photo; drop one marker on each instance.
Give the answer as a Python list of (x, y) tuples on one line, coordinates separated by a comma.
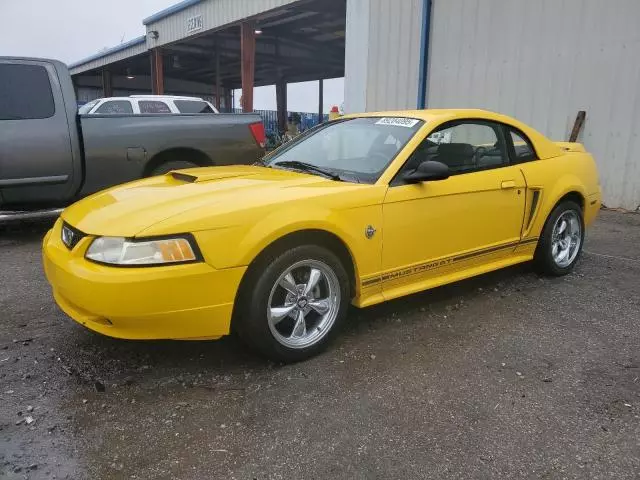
[(50, 156)]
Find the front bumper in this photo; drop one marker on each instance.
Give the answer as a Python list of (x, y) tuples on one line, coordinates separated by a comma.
[(193, 301)]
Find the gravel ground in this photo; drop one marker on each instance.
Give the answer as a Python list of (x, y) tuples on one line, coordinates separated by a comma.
[(508, 375)]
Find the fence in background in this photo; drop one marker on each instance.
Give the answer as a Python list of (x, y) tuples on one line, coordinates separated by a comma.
[(270, 119)]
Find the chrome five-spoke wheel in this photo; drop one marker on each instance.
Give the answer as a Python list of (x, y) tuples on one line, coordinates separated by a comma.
[(561, 239), (303, 304), (566, 238)]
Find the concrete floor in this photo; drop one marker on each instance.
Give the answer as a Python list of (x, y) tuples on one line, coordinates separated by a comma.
[(508, 375)]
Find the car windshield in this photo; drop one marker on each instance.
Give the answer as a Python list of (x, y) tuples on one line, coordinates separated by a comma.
[(357, 150)]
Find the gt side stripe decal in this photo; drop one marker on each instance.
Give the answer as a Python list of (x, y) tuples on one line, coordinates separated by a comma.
[(425, 267), (528, 241)]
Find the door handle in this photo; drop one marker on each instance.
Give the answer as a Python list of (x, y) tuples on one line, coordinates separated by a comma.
[(508, 184)]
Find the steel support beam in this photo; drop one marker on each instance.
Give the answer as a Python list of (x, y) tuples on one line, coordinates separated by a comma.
[(281, 94), (218, 79), (320, 100), (281, 105), (248, 58), (107, 85)]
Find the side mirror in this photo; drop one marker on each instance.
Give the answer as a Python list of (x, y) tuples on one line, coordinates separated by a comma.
[(428, 170)]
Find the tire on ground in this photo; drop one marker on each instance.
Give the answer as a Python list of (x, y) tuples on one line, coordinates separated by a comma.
[(251, 321), (543, 258)]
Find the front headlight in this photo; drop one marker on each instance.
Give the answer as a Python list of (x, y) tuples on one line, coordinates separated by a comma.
[(161, 251)]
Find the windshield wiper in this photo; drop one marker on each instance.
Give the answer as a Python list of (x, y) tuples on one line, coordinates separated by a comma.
[(309, 167)]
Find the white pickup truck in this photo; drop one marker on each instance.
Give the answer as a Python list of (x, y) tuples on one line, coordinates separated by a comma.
[(145, 104)]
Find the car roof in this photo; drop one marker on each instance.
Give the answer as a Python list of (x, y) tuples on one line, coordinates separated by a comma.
[(167, 97), (544, 147), (433, 114), (150, 97)]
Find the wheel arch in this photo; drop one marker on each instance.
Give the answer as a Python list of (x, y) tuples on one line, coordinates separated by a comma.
[(573, 195), (308, 236), (187, 154), (570, 189)]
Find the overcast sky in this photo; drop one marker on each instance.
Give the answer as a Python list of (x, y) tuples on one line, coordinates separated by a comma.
[(70, 30)]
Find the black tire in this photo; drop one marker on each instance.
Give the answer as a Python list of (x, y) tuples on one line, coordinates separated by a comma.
[(251, 321), (169, 166), (543, 258)]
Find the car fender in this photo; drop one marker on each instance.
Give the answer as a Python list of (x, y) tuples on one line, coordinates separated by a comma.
[(241, 245), (566, 184)]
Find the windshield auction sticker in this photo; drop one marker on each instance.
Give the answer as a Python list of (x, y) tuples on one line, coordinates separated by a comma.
[(398, 122)]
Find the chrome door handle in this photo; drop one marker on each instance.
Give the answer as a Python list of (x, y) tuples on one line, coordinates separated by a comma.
[(508, 184)]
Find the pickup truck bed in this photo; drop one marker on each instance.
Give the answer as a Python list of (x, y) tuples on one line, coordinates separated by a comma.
[(50, 156), (120, 148)]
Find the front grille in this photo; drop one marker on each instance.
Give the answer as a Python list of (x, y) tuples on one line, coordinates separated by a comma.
[(71, 236)]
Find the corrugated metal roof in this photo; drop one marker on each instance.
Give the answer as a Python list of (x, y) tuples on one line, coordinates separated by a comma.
[(125, 50), (169, 11), (122, 46), (213, 14)]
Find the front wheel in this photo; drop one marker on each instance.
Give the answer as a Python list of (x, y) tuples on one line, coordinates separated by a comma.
[(561, 241), (292, 306)]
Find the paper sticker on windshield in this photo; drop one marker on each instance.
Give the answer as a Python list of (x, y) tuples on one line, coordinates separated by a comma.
[(398, 122)]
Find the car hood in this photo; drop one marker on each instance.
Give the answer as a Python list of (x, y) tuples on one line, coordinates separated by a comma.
[(129, 209)]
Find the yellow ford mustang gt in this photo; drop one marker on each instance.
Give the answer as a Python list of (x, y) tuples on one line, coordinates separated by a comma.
[(360, 210)]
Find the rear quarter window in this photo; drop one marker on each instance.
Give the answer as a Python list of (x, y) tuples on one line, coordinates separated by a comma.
[(522, 147), (25, 92), (193, 106), (153, 106), (115, 107)]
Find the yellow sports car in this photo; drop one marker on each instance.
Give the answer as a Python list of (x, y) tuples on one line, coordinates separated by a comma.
[(360, 210)]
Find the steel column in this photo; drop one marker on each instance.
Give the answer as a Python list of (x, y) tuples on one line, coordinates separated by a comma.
[(320, 100), (281, 94), (248, 59), (107, 88), (281, 105), (157, 72), (218, 74)]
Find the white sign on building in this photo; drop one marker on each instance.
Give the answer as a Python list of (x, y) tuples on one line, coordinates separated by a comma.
[(194, 24)]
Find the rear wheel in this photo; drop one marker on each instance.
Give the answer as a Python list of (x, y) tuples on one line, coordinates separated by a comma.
[(292, 306), (561, 242), (167, 167)]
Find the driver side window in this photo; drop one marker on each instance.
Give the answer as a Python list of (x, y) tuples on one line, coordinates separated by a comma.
[(465, 147)]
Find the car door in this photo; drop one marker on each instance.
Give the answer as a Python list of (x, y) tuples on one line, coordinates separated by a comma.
[(36, 157), (441, 230)]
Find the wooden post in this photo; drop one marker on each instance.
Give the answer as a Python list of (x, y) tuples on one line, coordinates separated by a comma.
[(157, 72), (320, 101), (107, 88), (248, 59), (577, 125)]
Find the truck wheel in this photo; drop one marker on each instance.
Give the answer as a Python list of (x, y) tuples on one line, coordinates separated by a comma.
[(167, 167), (561, 240), (294, 305)]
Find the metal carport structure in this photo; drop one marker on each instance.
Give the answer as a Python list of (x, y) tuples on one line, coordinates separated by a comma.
[(211, 47)]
